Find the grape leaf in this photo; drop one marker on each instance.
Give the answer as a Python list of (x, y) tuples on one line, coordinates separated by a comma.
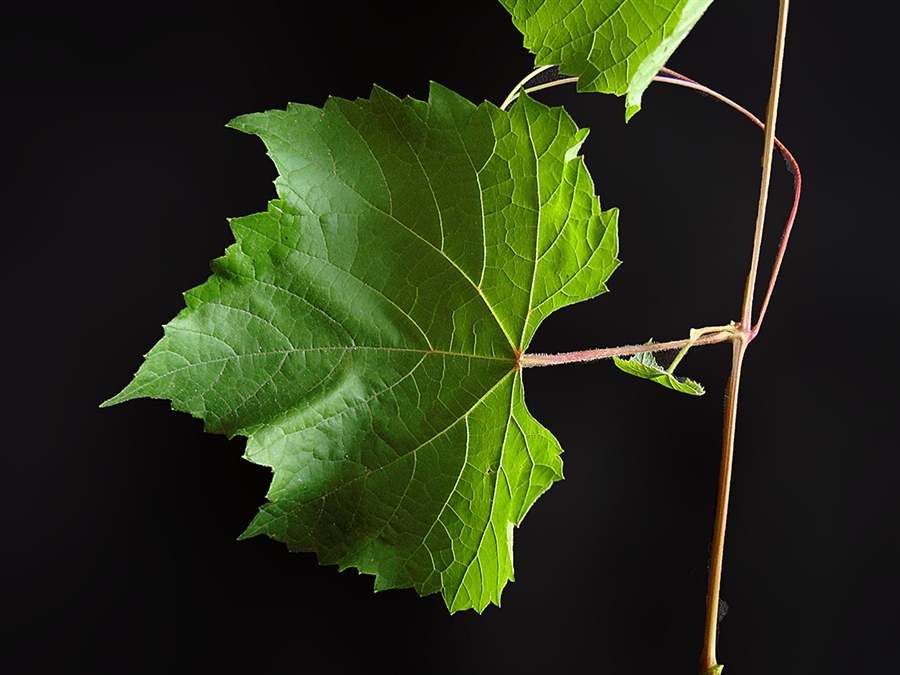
[(611, 46), (363, 333), (644, 365)]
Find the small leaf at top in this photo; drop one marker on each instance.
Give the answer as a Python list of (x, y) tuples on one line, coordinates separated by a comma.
[(611, 46), (644, 365), (364, 332)]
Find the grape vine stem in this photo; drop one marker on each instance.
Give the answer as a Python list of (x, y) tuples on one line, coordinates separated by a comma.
[(741, 339)]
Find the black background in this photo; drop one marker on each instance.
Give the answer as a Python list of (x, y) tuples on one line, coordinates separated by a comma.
[(119, 525)]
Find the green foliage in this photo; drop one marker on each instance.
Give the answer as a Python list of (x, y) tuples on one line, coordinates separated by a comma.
[(363, 333), (611, 46), (644, 365)]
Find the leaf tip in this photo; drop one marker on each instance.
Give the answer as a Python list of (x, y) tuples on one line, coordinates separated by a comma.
[(578, 139), (251, 531), (631, 110), (126, 394)]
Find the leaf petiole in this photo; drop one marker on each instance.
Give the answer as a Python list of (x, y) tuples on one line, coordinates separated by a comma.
[(514, 94), (520, 87), (716, 334)]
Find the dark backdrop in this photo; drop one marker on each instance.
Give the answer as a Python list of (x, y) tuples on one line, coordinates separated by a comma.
[(119, 526)]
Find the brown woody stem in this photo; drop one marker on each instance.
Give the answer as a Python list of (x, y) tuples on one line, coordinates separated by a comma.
[(742, 338)]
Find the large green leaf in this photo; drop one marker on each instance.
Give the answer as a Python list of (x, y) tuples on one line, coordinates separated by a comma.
[(363, 333), (611, 46)]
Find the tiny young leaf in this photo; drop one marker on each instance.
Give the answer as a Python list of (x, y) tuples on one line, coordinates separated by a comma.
[(644, 365), (611, 46), (364, 332)]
